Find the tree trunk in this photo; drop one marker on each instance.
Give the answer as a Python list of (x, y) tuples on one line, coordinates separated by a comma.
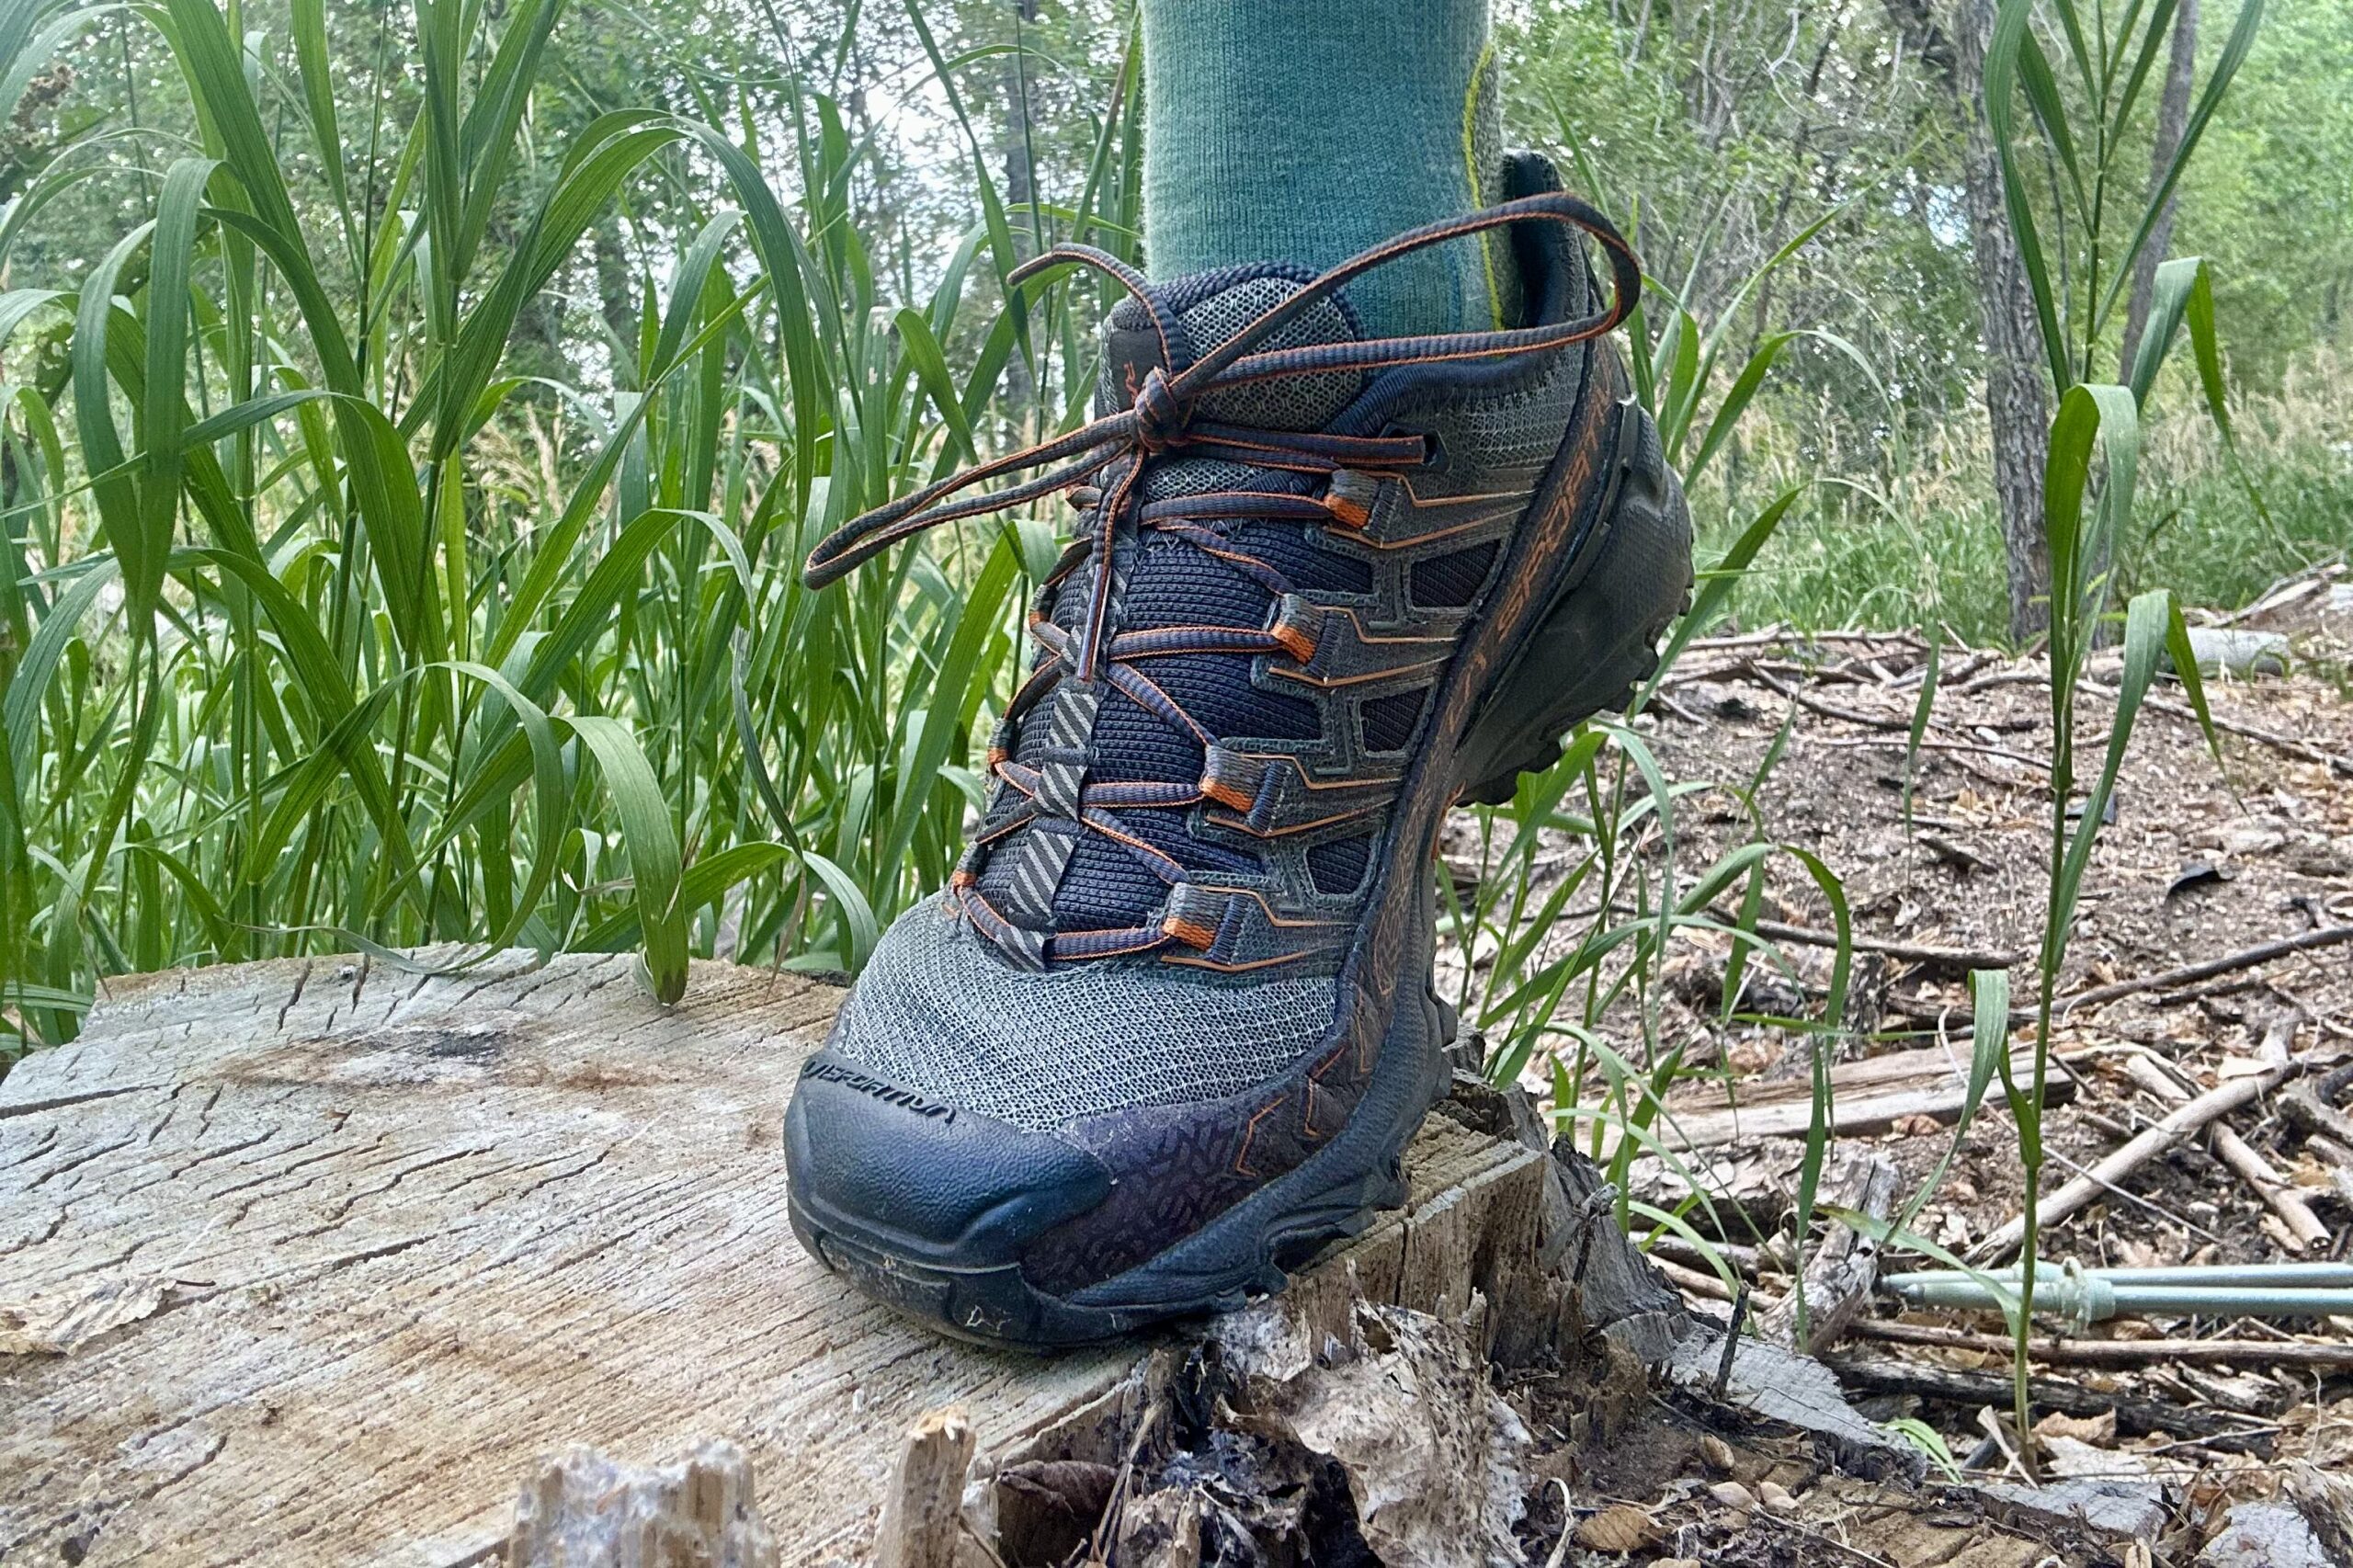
[(1020, 114), (613, 298), (440, 1225), (2173, 115), (1017, 152), (2018, 402)]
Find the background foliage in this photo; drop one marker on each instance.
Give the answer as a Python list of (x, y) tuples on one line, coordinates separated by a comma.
[(416, 413)]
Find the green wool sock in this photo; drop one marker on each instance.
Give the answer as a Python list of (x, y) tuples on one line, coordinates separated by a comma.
[(1306, 131)]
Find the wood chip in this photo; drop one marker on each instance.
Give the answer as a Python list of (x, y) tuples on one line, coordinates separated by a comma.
[(2098, 1430), (1618, 1527)]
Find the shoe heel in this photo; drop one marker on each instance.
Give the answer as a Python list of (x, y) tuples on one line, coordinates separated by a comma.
[(1598, 641)]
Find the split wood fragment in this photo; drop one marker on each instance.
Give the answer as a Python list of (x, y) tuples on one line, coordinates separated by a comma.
[(1838, 1277), (919, 1521), (582, 1509)]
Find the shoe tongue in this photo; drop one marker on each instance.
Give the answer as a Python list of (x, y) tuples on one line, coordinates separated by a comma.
[(1211, 307)]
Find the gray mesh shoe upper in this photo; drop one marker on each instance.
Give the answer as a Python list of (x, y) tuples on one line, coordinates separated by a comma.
[(1170, 1023), (940, 1012)]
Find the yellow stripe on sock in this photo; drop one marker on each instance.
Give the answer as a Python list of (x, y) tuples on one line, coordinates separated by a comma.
[(1479, 76)]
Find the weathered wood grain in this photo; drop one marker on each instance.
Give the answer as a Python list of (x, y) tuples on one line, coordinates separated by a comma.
[(316, 1261)]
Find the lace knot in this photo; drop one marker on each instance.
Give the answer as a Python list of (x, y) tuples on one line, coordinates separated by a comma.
[(1161, 415)]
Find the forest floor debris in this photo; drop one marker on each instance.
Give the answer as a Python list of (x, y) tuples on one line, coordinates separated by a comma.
[(2200, 1072)]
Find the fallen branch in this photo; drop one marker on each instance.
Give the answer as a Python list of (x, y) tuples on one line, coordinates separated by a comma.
[(2266, 1183), (1749, 1261), (1958, 748), (2307, 1106), (1954, 1385), (1952, 959), (2293, 746), (1958, 1017), (2197, 1114), (2191, 973), (1757, 672), (1779, 636), (2309, 1355), (1699, 1282)]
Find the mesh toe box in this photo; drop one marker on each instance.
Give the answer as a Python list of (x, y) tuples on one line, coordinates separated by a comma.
[(939, 1012)]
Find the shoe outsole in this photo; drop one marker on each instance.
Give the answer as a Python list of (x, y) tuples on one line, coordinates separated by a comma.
[(1633, 569)]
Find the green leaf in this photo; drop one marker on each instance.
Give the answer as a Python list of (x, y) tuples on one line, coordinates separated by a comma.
[(2226, 65), (651, 845), (1989, 1053), (2002, 69)]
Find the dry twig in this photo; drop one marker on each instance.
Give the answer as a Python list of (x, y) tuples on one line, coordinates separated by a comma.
[(2303, 1225), (2309, 1355), (2200, 1113)]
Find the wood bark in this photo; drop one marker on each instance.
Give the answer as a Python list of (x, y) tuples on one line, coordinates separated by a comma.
[(2018, 396), (1836, 1286), (2173, 120), (2018, 400)]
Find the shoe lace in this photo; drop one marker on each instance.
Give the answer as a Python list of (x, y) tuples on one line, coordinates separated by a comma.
[(1100, 464)]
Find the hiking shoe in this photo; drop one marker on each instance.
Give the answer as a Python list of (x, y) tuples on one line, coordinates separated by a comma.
[(1170, 1027)]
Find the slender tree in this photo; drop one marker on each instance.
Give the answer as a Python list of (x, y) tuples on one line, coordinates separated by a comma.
[(2173, 119)]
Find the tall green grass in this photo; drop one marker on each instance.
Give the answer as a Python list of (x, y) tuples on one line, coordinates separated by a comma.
[(1919, 543), (301, 649)]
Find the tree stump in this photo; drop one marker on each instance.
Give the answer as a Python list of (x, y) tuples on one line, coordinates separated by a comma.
[(319, 1261)]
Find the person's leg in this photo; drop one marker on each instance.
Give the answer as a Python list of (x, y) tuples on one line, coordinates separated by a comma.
[(1306, 131)]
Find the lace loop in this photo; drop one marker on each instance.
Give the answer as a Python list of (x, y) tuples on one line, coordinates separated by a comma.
[(1175, 394)]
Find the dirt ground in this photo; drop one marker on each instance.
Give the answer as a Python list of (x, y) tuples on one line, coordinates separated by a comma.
[(2198, 864)]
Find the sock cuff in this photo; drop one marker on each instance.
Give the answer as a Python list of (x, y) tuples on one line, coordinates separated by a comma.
[(1306, 131)]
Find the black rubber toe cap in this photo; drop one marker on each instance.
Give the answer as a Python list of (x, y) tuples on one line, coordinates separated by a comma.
[(924, 1180)]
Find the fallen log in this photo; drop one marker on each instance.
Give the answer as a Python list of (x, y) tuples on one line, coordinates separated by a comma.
[(315, 1261), (1867, 1097)]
